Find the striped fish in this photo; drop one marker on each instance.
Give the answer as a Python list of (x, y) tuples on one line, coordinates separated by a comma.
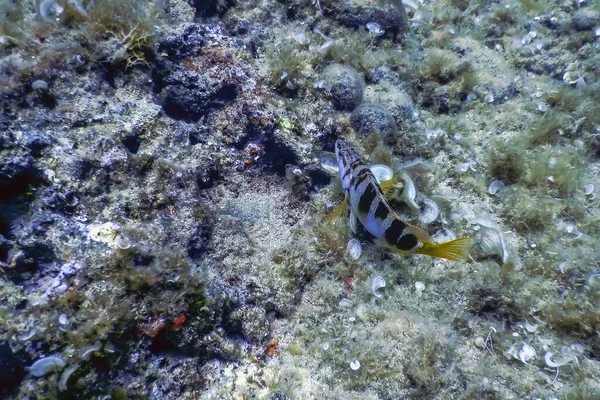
[(369, 205)]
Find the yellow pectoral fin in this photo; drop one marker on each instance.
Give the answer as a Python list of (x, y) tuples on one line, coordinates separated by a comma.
[(335, 215), (387, 187), (454, 250)]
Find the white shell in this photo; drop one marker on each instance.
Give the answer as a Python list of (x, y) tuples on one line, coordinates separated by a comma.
[(354, 365), (543, 107), (28, 335), (486, 222), (345, 303), (552, 363), (64, 378), (378, 283), (489, 98), (588, 189), (409, 191), (381, 172), (526, 353), (375, 29), (329, 162), (46, 365), (531, 328), (87, 351), (493, 243), (430, 212), (354, 249), (63, 319), (419, 287), (495, 186)]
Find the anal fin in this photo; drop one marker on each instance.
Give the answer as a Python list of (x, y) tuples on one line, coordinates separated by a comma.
[(334, 216)]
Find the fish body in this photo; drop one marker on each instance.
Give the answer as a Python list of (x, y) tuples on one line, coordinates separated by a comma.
[(370, 206)]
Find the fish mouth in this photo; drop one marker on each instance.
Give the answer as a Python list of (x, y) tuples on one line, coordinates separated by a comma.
[(340, 147)]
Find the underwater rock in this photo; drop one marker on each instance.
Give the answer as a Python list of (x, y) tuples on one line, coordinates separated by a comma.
[(211, 8), (190, 96), (585, 19), (370, 118), (356, 14), (347, 86), (184, 41), (13, 369)]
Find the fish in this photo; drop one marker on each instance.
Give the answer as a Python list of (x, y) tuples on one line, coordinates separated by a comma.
[(369, 205)]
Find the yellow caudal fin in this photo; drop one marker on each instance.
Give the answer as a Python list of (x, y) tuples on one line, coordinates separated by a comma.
[(387, 187), (335, 215), (454, 250)]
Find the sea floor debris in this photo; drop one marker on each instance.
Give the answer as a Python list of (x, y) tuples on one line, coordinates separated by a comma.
[(165, 168)]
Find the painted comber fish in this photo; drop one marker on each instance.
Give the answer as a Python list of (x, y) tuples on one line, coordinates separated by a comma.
[(369, 205)]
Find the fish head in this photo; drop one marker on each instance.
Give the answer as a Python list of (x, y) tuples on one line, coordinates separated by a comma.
[(345, 155)]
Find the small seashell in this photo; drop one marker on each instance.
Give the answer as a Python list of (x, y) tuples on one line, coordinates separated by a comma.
[(588, 189), (354, 365), (492, 240), (489, 98), (495, 186), (47, 365), (486, 222), (39, 85), (64, 378), (471, 96), (302, 38), (382, 172), (329, 162), (531, 328), (570, 77), (354, 249), (63, 319), (526, 353), (419, 287), (123, 243), (577, 348), (479, 342), (325, 346), (543, 107), (87, 351), (345, 303), (323, 85), (28, 335), (409, 191), (378, 283), (552, 363), (375, 29), (429, 212), (528, 37)]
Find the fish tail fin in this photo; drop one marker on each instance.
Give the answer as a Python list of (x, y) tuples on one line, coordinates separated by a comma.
[(454, 250)]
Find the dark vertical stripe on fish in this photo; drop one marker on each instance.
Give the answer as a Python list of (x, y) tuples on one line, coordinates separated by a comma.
[(382, 211), (364, 204), (393, 232), (407, 242)]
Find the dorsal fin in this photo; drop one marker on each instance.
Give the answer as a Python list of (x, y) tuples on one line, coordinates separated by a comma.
[(420, 233)]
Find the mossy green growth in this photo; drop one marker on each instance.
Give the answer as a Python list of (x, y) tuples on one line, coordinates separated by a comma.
[(131, 23)]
